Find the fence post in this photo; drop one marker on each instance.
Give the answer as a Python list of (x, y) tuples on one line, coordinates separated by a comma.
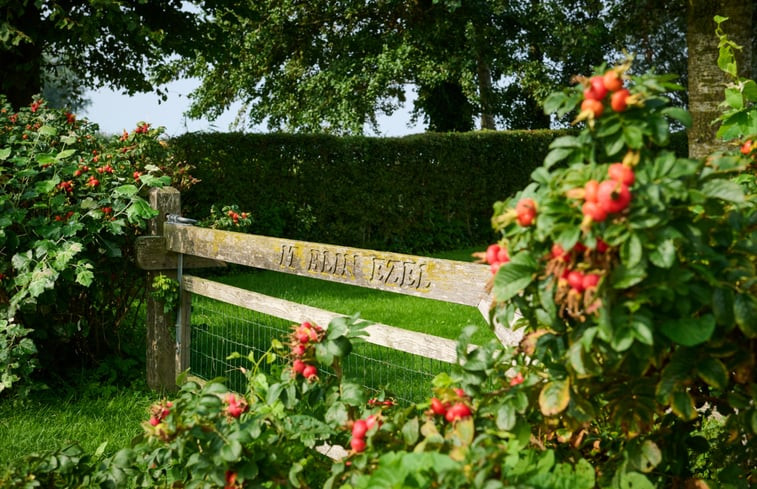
[(161, 351)]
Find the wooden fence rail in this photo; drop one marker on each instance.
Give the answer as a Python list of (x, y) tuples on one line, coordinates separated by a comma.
[(173, 247)]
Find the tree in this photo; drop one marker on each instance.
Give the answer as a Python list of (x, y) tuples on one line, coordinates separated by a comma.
[(121, 44), (706, 80), (327, 67)]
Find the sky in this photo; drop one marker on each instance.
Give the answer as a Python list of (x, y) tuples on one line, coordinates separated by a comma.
[(115, 112)]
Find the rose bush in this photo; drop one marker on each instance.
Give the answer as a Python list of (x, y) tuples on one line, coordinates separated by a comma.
[(71, 205)]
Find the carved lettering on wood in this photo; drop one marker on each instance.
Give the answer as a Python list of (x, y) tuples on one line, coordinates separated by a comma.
[(405, 274), (286, 259)]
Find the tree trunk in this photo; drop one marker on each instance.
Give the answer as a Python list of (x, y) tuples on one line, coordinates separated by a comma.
[(706, 80), (485, 94)]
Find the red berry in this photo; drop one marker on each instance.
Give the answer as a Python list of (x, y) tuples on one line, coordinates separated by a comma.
[(357, 444), (576, 280), (310, 372), (154, 421), (371, 421), (298, 366), (298, 350), (359, 428), (612, 81), (593, 106), (502, 256), (613, 196), (234, 410), (601, 246), (598, 87), (494, 267), (593, 210), (492, 252), (558, 252), (619, 100), (457, 411), (526, 211), (460, 392), (746, 148), (516, 380), (621, 173), (590, 191), (590, 280)]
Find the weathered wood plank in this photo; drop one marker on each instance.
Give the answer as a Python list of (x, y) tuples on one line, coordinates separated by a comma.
[(152, 255), (445, 280), (379, 334)]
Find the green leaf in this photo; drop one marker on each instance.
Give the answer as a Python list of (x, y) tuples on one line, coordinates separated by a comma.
[(5, 154), (633, 136), (556, 156), (231, 451), (45, 159), (749, 90), (745, 314), (506, 417), (724, 190), (48, 130), (623, 277), (635, 480), (712, 371), (411, 431), (733, 98), (689, 331), (722, 306), (664, 254), (679, 114), (554, 397), (514, 276), (127, 189), (631, 251), (683, 406), (353, 394), (647, 456), (554, 102), (65, 154)]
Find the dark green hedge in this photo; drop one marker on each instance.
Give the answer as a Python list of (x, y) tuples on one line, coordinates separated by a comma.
[(420, 193)]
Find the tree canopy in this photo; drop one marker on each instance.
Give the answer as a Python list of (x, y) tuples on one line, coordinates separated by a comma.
[(121, 44), (335, 66)]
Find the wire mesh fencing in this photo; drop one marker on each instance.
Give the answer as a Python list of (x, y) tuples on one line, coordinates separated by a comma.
[(220, 329)]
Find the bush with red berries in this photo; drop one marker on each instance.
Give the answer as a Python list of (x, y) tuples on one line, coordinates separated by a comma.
[(70, 210)]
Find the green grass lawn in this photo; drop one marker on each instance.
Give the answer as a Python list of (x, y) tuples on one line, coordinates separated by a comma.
[(46, 420)]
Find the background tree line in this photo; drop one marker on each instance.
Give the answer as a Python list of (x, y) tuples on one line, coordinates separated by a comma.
[(335, 66)]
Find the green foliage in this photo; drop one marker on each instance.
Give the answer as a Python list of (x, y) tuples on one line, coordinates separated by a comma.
[(399, 194), (228, 218), (739, 118), (98, 43), (166, 290), (326, 67), (663, 336), (72, 204)]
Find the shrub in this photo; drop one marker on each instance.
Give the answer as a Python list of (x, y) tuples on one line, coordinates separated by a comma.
[(71, 205)]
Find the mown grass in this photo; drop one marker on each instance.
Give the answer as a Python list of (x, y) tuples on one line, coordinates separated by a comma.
[(46, 420)]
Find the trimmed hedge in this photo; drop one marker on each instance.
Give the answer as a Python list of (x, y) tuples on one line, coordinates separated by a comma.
[(420, 193)]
